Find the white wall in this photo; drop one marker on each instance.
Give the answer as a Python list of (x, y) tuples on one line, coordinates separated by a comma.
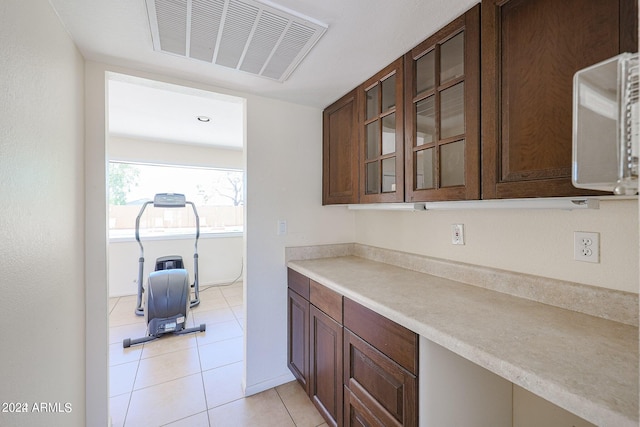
[(41, 257), (538, 242), (456, 392), (284, 182), (219, 260), (155, 152)]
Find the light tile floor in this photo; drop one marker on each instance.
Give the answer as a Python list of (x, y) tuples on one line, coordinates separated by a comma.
[(194, 380)]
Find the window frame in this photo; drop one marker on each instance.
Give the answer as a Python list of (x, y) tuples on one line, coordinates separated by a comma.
[(180, 235)]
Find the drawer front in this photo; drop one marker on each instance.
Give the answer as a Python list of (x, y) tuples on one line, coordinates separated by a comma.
[(397, 342), (386, 388), (298, 282), (326, 300), (357, 414)]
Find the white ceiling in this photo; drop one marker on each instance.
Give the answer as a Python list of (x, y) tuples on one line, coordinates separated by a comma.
[(362, 37), (145, 109)]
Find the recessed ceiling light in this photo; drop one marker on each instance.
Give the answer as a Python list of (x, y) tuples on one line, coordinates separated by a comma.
[(204, 119)]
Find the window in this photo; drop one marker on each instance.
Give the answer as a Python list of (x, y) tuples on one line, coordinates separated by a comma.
[(217, 194)]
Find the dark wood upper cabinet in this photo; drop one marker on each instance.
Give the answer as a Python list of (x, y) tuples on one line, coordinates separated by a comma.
[(442, 113), (381, 164), (482, 109), (530, 51), (340, 151)]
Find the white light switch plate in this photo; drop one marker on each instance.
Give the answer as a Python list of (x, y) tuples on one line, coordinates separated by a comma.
[(282, 227)]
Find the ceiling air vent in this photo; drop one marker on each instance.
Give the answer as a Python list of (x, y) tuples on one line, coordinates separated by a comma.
[(246, 35)]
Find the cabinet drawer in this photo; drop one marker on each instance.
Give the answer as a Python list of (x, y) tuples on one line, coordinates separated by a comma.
[(387, 390), (298, 282), (395, 341), (326, 300), (357, 414)]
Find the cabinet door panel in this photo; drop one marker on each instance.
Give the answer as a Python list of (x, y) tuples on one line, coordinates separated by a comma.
[(442, 105), (326, 366), (381, 126), (340, 151), (298, 338), (387, 390), (531, 50)]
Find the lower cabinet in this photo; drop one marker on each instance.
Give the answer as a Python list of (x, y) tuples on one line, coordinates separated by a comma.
[(358, 367), (380, 370), (314, 353), (387, 390), (356, 412), (298, 338), (325, 352)]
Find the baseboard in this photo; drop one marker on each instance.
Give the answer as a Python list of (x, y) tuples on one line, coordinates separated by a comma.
[(266, 385)]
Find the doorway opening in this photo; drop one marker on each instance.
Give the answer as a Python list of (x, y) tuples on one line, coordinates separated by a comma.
[(168, 138)]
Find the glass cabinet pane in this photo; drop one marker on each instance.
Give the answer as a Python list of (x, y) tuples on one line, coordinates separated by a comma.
[(389, 93), (452, 58), (424, 175), (425, 72), (452, 164), (372, 102), (389, 175), (372, 178), (373, 139), (452, 111), (425, 121), (389, 134)]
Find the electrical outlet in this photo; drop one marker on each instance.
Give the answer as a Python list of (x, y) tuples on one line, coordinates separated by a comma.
[(586, 246), (457, 234)]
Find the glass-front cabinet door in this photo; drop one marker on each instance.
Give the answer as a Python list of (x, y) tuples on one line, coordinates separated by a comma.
[(382, 137), (442, 95)]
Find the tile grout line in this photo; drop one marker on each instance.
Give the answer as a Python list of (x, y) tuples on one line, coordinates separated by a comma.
[(197, 345), (204, 389), (114, 306), (133, 385), (285, 406), (202, 371)]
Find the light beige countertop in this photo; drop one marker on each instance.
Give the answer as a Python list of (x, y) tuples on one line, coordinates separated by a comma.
[(585, 364)]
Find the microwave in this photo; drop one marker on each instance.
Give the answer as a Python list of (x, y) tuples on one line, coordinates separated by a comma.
[(605, 126)]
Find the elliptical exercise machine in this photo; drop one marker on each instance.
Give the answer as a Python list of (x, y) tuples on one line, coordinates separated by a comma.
[(166, 301)]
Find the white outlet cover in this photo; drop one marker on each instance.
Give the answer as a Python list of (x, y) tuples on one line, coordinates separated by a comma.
[(457, 234), (586, 246)]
